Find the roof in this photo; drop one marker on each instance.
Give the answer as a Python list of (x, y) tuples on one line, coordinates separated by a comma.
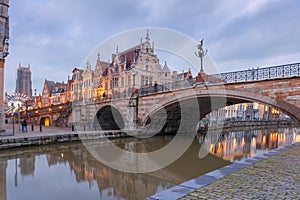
[(131, 55), (59, 90), (103, 63), (50, 85), (76, 69), (165, 69)]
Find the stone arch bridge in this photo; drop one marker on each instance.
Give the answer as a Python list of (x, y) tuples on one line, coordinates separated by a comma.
[(186, 104)]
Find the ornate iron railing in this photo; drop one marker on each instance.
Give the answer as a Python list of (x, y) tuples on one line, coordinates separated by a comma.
[(258, 74)]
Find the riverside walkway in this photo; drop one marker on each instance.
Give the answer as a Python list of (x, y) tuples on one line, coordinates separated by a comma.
[(272, 175), (49, 135)]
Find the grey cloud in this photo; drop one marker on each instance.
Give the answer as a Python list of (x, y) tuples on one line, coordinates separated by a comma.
[(56, 35)]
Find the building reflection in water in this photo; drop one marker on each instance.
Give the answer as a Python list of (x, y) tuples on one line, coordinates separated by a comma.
[(113, 182), (116, 184), (238, 145), (3, 167), (27, 165)]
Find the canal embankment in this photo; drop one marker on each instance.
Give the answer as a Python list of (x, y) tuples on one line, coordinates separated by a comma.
[(51, 135), (235, 125)]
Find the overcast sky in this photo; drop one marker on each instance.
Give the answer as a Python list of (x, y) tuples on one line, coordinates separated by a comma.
[(55, 36)]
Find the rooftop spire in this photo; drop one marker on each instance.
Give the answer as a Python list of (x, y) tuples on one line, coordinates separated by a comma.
[(147, 36), (117, 61), (98, 57)]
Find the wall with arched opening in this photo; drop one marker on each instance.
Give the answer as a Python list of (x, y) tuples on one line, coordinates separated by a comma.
[(45, 121), (109, 118)]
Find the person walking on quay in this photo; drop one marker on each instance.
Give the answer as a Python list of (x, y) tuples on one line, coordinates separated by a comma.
[(24, 125)]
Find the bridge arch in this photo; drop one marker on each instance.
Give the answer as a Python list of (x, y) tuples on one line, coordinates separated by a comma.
[(109, 118), (204, 98), (284, 106)]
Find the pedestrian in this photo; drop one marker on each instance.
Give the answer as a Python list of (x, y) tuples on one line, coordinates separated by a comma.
[(24, 125), (189, 77)]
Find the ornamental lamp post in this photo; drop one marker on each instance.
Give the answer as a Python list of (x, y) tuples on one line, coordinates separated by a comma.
[(201, 53), (19, 117), (13, 117)]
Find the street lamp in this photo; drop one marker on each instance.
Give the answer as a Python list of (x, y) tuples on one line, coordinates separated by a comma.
[(19, 116), (201, 53), (26, 111), (13, 117)]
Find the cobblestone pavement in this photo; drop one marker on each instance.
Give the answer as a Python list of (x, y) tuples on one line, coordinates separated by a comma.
[(50, 130), (277, 177)]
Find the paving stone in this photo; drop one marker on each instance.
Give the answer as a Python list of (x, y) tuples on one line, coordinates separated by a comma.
[(276, 177)]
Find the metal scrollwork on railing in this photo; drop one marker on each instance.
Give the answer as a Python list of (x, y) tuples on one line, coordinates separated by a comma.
[(259, 74)]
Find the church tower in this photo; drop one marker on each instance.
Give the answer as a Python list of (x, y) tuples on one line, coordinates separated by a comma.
[(4, 36)]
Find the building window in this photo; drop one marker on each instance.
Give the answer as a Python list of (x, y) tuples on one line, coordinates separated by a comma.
[(133, 81), (106, 85), (150, 81), (129, 80), (115, 82), (146, 80), (122, 81), (142, 80)]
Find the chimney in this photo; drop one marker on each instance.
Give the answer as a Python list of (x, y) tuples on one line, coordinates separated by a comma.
[(175, 73)]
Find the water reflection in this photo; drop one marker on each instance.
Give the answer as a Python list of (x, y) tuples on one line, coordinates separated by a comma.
[(69, 171), (3, 166), (27, 165), (239, 145)]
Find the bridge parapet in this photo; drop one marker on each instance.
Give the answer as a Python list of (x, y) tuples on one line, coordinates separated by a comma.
[(260, 74)]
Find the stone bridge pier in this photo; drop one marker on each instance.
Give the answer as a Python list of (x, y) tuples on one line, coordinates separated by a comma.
[(105, 115)]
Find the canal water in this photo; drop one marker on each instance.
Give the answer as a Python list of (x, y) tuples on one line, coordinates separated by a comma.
[(68, 171)]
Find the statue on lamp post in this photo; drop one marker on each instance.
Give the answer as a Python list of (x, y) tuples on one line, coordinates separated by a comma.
[(201, 53)]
